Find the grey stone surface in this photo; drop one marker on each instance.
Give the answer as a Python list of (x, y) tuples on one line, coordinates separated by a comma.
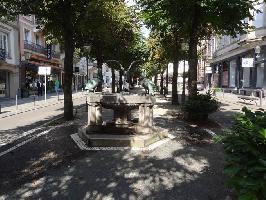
[(53, 168)]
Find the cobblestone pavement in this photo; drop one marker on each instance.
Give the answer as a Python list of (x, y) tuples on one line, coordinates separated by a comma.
[(188, 167)]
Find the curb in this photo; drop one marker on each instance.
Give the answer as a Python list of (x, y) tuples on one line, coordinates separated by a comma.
[(33, 109)]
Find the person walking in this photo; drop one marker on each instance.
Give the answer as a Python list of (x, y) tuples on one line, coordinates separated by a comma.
[(56, 86), (39, 88), (42, 86)]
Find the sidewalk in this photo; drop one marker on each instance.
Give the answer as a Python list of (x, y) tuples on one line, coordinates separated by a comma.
[(231, 107), (233, 99), (9, 108)]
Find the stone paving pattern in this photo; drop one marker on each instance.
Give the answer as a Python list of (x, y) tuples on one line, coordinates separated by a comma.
[(52, 167)]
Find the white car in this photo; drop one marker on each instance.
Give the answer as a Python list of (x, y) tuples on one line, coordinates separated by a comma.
[(200, 86)]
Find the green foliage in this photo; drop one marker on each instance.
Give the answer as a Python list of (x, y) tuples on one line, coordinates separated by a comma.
[(217, 89), (200, 106), (245, 149)]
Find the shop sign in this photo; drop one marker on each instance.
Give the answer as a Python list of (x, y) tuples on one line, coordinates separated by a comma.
[(44, 71), (247, 62), (49, 51)]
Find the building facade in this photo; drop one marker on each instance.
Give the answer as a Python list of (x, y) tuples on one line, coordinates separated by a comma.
[(35, 52), (230, 54), (204, 71), (9, 59)]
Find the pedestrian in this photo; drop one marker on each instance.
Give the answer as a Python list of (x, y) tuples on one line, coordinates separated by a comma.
[(39, 88), (56, 86)]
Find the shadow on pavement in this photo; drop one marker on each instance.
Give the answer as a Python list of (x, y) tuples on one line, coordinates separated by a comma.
[(54, 168)]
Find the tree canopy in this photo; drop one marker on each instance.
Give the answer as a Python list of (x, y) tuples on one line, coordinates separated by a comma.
[(193, 20)]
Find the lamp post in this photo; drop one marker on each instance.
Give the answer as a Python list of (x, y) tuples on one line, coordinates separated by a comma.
[(87, 50), (257, 51)]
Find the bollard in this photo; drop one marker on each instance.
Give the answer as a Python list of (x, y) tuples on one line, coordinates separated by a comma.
[(58, 96), (34, 100), (261, 94), (86, 105), (0, 109), (16, 101)]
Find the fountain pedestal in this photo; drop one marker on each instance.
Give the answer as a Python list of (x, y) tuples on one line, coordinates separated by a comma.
[(121, 131)]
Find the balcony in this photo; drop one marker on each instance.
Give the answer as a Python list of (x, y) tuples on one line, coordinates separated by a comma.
[(2, 54), (39, 49)]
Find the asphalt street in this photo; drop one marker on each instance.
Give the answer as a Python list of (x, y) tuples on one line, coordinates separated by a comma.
[(31, 143), (17, 126)]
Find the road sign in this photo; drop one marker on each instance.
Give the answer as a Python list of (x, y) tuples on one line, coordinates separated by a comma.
[(247, 62), (44, 71)]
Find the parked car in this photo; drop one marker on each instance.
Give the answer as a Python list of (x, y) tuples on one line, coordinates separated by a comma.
[(200, 86)]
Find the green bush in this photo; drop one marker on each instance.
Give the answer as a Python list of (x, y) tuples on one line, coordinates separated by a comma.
[(245, 149), (199, 107), (217, 90)]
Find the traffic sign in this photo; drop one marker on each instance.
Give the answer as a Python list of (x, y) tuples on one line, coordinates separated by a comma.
[(44, 71)]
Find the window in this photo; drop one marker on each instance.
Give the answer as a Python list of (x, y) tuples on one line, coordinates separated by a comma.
[(4, 42), (27, 35)]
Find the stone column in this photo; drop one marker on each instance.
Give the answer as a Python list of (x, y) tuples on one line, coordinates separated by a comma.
[(94, 114), (91, 115), (146, 115), (98, 110)]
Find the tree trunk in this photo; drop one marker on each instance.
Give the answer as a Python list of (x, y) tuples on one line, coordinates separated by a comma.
[(99, 58), (166, 80), (68, 62), (193, 57), (120, 80), (155, 80), (100, 74), (174, 84), (161, 84), (113, 80), (193, 64), (87, 65), (184, 83)]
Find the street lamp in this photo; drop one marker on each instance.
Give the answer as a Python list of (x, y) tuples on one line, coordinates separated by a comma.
[(87, 50)]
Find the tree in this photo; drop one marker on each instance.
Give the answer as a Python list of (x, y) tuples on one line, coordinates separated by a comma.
[(194, 20), (64, 26), (114, 34)]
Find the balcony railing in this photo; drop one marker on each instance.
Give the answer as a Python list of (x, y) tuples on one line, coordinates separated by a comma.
[(39, 49), (2, 54)]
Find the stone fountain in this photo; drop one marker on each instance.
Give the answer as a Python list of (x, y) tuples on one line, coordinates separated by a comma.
[(122, 131)]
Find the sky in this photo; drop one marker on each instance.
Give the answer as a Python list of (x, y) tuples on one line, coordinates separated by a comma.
[(144, 30)]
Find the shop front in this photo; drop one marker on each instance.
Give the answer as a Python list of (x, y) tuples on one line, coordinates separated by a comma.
[(30, 77), (4, 84), (9, 80)]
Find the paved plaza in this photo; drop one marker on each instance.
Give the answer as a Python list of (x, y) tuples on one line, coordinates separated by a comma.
[(47, 164)]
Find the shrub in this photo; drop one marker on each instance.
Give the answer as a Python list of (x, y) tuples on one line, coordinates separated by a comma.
[(245, 149), (199, 107)]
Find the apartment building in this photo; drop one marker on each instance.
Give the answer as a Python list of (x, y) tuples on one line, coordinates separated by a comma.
[(9, 59), (34, 53), (239, 62), (204, 71)]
